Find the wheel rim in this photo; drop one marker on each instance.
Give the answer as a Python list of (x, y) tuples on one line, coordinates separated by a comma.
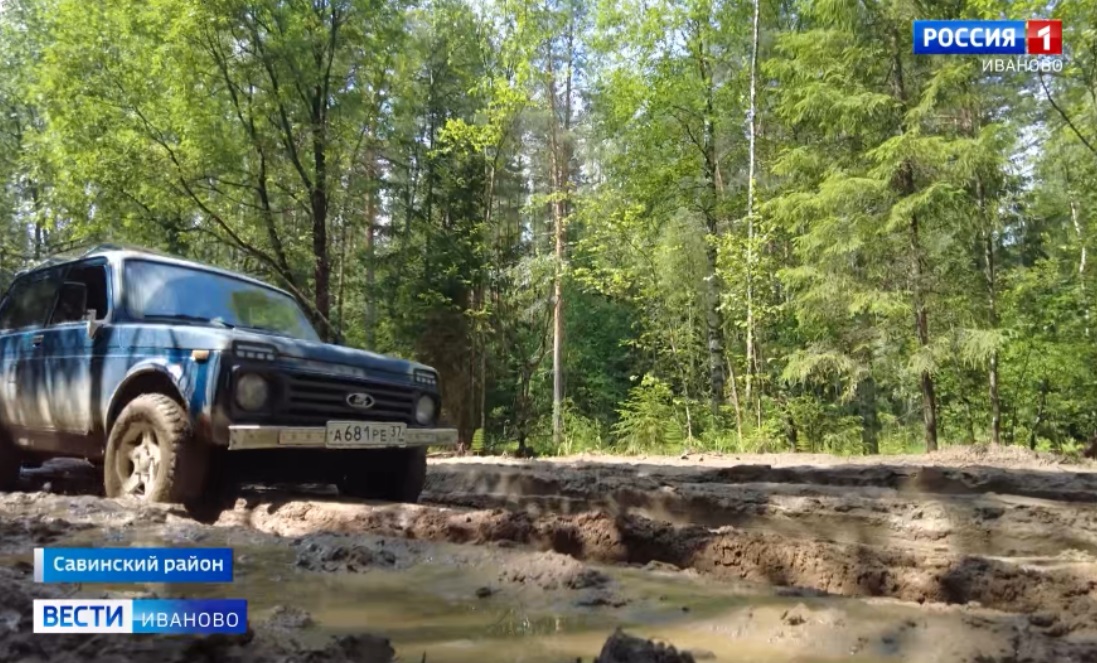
[(140, 463)]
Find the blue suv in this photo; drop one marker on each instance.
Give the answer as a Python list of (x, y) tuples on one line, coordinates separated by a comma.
[(168, 373)]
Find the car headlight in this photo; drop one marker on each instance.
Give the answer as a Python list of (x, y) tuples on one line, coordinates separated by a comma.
[(252, 391), (425, 410)]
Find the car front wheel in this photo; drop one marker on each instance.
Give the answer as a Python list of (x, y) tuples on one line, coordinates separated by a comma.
[(151, 453)]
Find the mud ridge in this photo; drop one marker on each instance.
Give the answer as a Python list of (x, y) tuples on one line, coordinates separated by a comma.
[(37, 531), (846, 570), (968, 524), (547, 479)]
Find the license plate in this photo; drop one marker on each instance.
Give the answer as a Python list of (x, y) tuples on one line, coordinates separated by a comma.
[(364, 434)]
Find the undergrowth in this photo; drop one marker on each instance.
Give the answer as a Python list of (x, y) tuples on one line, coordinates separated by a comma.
[(653, 421)]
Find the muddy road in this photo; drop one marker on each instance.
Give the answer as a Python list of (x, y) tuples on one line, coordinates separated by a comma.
[(966, 555)]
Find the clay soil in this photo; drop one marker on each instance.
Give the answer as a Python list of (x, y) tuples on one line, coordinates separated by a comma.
[(993, 552)]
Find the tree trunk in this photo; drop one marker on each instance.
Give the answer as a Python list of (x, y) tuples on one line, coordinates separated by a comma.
[(558, 330), (714, 329), (1081, 260), (428, 203), (991, 276), (918, 267), (559, 164), (685, 384), (410, 186), (733, 382), (340, 293), (921, 323), (38, 231), (322, 270), (371, 257), (870, 425), (486, 293), (318, 204), (483, 390), (713, 317), (1032, 434), (970, 418), (1011, 432), (752, 354), (476, 351), (791, 433)]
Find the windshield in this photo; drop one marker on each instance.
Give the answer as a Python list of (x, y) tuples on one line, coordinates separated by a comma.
[(156, 290)]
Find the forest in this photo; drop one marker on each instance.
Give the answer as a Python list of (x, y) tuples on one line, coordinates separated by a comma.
[(619, 226)]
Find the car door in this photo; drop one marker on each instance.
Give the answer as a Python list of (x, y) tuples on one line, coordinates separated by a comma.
[(23, 314), (73, 357)]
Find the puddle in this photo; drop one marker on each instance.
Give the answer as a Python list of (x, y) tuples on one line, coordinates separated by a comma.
[(427, 604), (432, 608)]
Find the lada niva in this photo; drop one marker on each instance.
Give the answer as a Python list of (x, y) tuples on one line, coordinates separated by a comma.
[(161, 370)]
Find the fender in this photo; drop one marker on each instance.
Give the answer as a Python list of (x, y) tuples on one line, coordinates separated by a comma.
[(171, 371)]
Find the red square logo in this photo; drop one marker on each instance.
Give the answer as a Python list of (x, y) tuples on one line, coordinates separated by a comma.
[(1044, 37)]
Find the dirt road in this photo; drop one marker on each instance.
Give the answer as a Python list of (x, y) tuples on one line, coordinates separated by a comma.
[(966, 555)]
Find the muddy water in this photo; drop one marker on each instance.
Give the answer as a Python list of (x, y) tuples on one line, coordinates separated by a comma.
[(432, 608), (428, 606)]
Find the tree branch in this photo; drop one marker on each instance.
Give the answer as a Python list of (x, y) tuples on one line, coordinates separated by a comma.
[(1066, 118), (283, 123)]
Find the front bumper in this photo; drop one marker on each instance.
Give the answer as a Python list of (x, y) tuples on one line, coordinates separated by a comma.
[(245, 437)]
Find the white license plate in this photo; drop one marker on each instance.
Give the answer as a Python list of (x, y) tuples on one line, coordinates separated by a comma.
[(364, 434)]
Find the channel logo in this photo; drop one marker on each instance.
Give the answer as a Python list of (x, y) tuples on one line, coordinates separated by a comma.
[(1044, 37), (1034, 37), (168, 616)]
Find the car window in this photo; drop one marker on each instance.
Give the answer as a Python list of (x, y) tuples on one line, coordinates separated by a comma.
[(156, 290), (84, 289), (30, 300)]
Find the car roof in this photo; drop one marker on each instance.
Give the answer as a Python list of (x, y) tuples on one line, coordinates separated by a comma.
[(115, 253)]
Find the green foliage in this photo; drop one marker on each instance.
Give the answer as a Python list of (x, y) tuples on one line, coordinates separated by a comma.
[(583, 434), (396, 166), (823, 427), (648, 421)]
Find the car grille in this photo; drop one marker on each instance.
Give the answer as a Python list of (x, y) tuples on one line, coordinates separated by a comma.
[(312, 400)]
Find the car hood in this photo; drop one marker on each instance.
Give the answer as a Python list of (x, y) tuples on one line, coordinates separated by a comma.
[(314, 352), (311, 354)]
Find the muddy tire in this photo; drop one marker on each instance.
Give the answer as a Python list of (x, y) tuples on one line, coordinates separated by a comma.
[(10, 461), (151, 453), (394, 475)]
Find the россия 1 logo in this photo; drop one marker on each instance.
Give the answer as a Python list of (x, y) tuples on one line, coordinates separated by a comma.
[(1033, 37)]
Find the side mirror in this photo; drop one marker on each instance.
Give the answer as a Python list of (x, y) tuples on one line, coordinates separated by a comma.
[(93, 324)]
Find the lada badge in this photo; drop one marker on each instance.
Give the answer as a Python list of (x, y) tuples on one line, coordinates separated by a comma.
[(360, 401)]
